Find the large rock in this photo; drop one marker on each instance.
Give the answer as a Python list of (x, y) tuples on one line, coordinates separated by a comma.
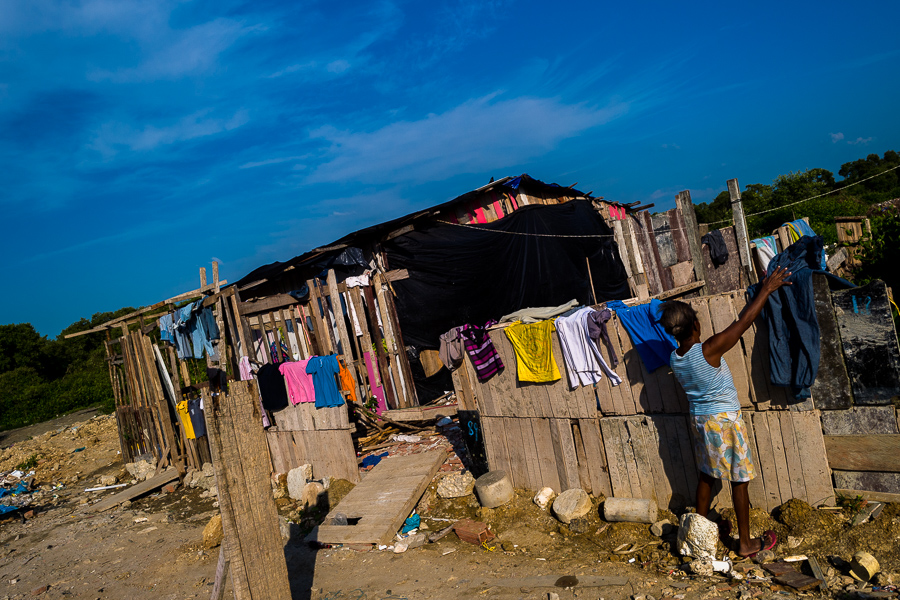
[(296, 481), (544, 497), (212, 533), (456, 485), (572, 504), (108, 480), (141, 469), (697, 536)]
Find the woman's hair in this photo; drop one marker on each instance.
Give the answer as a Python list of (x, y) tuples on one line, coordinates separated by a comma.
[(678, 319)]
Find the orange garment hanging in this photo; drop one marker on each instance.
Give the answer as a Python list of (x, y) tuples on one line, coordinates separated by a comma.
[(347, 382)]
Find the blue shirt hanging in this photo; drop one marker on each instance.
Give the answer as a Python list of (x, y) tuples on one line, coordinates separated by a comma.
[(651, 341), (323, 370)]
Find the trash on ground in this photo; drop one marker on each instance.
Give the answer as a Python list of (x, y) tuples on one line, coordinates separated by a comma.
[(474, 532)]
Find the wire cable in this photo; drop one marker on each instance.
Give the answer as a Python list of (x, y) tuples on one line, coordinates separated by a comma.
[(762, 212)]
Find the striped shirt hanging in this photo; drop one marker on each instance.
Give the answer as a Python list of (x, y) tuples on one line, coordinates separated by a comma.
[(480, 349)]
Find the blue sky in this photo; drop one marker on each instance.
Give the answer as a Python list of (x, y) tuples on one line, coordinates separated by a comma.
[(141, 140)]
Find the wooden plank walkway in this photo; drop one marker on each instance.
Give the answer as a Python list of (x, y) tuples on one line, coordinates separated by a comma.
[(170, 474), (383, 500)]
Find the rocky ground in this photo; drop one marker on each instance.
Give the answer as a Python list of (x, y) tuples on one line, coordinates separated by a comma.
[(164, 545)]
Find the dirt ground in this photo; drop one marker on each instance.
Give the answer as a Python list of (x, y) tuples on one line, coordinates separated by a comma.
[(153, 547)]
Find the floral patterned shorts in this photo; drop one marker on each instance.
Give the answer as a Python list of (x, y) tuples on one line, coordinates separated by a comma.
[(720, 442)]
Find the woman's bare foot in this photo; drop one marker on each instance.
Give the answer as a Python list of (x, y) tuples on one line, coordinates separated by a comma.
[(756, 545)]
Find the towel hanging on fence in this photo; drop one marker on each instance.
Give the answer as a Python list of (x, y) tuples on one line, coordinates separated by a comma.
[(766, 248), (799, 228), (534, 351)]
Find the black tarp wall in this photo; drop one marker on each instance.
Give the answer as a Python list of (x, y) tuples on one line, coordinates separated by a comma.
[(469, 274)]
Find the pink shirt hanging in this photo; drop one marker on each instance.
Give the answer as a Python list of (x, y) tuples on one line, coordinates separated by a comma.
[(299, 382)]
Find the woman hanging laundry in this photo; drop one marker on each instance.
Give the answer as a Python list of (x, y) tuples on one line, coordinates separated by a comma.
[(720, 436)]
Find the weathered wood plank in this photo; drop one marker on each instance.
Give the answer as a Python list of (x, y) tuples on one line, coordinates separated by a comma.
[(757, 487), (651, 446), (726, 277), (612, 443), (625, 395), (249, 517), (532, 458), (596, 456), (767, 467), (863, 452), (816, 473), (754, 356), (564, 451), (518, 471), (381, 508), (721, 313), (792, 454), (686, 208), (781, 466), (543, 440)]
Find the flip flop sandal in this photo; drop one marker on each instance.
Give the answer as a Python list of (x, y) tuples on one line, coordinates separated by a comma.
[(768, 541)]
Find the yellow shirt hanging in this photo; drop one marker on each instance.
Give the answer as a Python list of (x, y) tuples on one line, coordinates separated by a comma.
[(185, 416), (534, 351)]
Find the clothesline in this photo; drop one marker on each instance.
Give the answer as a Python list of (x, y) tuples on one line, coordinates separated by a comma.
[(553, 235)]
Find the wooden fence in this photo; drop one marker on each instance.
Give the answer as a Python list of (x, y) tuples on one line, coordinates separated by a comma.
[(632, 440)]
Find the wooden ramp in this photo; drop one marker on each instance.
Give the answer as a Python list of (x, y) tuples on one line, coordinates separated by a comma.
[(378, 506)]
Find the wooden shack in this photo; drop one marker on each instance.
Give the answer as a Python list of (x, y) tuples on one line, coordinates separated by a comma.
[(627, 440)]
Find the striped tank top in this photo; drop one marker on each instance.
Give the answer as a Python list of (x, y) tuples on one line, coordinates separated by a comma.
[(709, 390)]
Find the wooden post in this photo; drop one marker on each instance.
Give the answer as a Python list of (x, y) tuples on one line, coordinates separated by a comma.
[(252, 538), (218, 591), (113, 380), (380, 355), (684, 204), (740, 229), (591, 280)]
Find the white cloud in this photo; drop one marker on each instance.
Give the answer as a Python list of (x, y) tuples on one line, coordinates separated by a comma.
[(479, 134), (860, 140), (672, 146), (177, 53), (270, 161), (836, 137), (112, 135)]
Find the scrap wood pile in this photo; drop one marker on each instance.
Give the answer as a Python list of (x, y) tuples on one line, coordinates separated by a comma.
[(380, 430)]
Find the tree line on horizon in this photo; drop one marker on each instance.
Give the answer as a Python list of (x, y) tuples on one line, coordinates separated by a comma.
[(41, 378), (854, 195), (849, 197)]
